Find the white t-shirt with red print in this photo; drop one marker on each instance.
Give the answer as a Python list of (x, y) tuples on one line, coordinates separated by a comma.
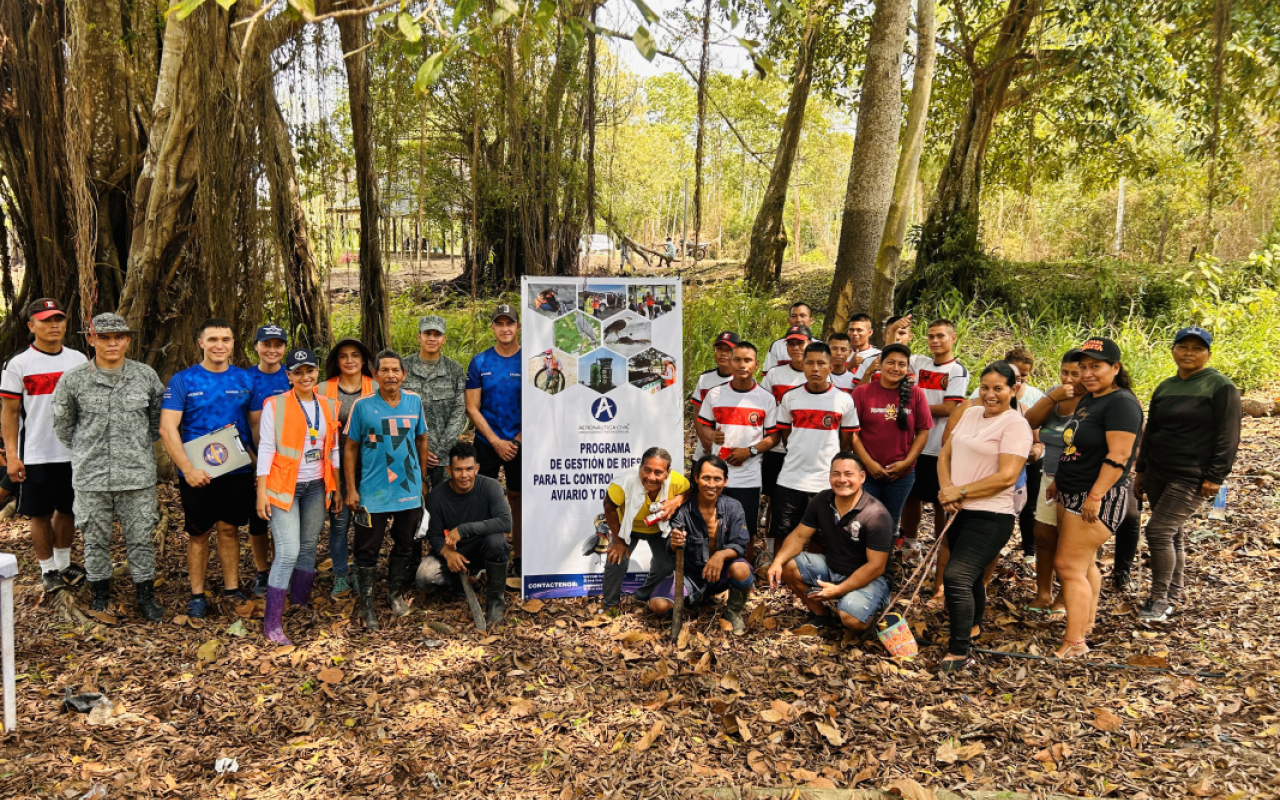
[(815, 421), (744, 417), (31, 376)]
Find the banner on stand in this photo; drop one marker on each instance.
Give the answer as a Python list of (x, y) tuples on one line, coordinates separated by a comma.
[(602, 383)]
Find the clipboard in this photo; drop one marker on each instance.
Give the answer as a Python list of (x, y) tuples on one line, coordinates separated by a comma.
[(218, 452)]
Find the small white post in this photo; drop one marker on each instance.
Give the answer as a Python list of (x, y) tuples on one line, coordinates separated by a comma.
[(8, 571)]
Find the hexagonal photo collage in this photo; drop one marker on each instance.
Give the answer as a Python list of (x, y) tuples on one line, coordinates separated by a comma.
[(602, 337)]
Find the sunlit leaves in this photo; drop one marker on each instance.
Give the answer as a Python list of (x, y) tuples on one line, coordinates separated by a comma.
[(505, 11), (411, 30), (645, 43), (646, 12), (429, 72)]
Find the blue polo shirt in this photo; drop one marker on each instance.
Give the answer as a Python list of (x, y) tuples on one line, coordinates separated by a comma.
[(498, 380), (267, 385), (211, 400)]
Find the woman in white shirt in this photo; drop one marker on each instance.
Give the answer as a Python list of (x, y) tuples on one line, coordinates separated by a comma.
[(297, 475)]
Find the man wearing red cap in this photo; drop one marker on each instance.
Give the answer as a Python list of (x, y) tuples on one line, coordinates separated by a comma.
[(39, 464)]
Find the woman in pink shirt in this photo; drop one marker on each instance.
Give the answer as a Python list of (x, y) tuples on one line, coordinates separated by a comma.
[(977, 469)]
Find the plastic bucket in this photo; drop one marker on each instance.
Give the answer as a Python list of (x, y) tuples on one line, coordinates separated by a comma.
[(896, 636)]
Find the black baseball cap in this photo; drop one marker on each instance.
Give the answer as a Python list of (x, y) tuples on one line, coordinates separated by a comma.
[(799, 332), (505, 310), (44, 308), (1101, 348), (268, 332), (302, 357), (728, 338)]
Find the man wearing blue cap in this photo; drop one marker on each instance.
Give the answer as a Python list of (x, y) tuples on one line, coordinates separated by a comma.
[(1188, 450), (269, 379)]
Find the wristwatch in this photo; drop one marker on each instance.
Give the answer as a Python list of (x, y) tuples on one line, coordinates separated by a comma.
[(753, 451)]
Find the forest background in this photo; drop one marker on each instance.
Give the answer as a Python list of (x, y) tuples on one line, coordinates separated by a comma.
[(1036, 169)]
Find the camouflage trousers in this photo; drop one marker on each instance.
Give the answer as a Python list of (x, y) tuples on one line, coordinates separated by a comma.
[(96, 514)]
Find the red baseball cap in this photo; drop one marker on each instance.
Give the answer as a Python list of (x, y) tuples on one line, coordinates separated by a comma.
[(44, 308), (800, 332)]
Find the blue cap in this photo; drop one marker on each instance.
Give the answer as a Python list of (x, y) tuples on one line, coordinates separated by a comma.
[(268, 332), (302, 357), (1196, 331)]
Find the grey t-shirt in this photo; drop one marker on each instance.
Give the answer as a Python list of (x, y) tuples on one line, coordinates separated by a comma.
[(1051, 438)]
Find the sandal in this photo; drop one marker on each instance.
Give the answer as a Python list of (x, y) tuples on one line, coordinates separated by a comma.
[(1036, 609), (954, 666), (1072, 649)]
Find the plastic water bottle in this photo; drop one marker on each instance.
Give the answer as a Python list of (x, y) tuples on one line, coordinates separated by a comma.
[(1219, 510)]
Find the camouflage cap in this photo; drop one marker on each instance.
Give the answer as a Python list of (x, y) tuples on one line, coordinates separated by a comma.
[(433, 322), (109, 323)]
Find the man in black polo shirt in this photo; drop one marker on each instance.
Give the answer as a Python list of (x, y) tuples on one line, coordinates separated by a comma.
[(857, 534)]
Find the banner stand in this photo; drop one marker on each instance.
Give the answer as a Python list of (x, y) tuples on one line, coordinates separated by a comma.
[(602, 382)]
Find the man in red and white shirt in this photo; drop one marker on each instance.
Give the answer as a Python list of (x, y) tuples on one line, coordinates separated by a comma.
[(725, 342), (799, 315), (864, 353), (39, 464), (841, 375), (777, 382), (945, 382), (733, 423), (816, 421)]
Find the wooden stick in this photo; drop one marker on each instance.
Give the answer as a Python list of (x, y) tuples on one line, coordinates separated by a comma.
[(677, 597)]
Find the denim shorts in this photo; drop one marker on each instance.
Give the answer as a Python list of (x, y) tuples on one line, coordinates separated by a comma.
[(863, 604)]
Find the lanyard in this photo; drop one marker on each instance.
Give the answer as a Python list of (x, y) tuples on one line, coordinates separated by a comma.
[(312, 427)]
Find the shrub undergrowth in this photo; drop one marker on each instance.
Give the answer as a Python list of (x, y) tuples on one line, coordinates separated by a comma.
[(1243, 323)]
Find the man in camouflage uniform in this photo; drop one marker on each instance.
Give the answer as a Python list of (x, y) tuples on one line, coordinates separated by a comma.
[(107, 413), (441, 383)]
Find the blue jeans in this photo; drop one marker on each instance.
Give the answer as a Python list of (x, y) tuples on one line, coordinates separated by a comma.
[(339, 541), (863, 604), (892, 494), (296, 533)]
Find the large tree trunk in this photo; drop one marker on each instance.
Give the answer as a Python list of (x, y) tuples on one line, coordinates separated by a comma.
[(34, 158), (375, 320), (895, 225), (703, 64), (308, 311), (875, 152), (768, 233), (950, 232)]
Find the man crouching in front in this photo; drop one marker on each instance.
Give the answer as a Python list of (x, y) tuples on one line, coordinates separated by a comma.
[(857, 534)]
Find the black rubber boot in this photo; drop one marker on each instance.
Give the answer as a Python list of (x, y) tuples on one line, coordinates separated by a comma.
[(147, 604), (398, 579), (101, 596), (1121, 580), (495, 602), (736, 605), (365, 578)]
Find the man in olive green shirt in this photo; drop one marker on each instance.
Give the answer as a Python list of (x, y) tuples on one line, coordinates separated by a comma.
[(441, 383)]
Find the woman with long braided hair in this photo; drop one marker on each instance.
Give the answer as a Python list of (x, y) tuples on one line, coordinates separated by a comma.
[(895, 422)]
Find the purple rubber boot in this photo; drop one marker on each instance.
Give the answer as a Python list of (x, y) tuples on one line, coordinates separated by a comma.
[(300, 587), (272, 624)]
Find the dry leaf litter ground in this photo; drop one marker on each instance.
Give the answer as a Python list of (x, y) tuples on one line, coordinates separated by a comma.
[(561, 702)]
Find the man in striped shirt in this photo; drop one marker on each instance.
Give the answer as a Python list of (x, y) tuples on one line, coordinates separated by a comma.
[(777, 382), (732, 423), (799, 315), (725, 342), (816, 421)]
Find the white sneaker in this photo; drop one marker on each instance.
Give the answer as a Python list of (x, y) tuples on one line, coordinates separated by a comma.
[(912, 544)]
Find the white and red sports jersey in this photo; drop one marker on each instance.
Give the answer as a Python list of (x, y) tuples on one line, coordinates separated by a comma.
[(706, 382), (31, 376), (845, 381), (744, 417), (868, 357), (940, 382), (815, 421), (777, 382), (777, 354)]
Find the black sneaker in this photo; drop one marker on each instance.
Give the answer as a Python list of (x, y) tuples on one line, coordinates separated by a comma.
[(53, 581), (821, 621), (260, 584), (74, 575), (236, 596), (197, 606)]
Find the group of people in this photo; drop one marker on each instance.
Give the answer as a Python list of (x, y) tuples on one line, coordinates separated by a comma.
[(351, 446), (848, 441)]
